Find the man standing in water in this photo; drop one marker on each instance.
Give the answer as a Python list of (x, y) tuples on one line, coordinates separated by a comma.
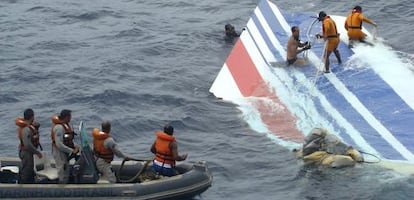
[(293, 48)]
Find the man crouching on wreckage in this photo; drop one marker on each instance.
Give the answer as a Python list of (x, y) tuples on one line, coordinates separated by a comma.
[(322, 148)]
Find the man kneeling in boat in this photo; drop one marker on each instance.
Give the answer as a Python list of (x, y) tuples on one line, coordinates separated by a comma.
[(295, 47), (166, 152), (326, 149), (104, 148)]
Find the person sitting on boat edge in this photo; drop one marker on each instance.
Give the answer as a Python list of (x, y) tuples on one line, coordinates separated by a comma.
[(63, 147), (295, 47), (28, 135), (104, 148), (166, 152), (331, 36), (353, 25), (322, 148)]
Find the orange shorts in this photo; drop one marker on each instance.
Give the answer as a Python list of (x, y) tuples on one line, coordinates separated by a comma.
[(356, 34), (332, 44)]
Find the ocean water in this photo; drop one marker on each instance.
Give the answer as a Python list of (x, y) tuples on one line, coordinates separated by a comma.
[(143, 64)]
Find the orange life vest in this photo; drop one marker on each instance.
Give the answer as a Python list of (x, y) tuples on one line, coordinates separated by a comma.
[(21, 123), (162, 147), (329, 28), (98, 145), (67, 136), (353, 25), (354, 21)]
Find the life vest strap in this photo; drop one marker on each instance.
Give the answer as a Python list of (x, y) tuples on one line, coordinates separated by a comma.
[(106, 157)]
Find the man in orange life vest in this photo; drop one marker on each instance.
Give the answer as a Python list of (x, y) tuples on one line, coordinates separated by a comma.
[(104, 148), (331, 36), (28, 135), (63, 146), (166, 152), (353, 24)]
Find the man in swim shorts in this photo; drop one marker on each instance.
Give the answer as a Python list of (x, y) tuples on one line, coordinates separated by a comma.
[(295, 47)]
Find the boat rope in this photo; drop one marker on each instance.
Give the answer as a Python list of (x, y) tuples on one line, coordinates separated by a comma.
[(313, 40), (370, 154), (319, 69), (141, 170), (374, 34)]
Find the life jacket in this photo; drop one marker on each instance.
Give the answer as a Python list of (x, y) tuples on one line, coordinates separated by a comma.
[(21, 123), (162, 146), (98, 145), (333, 31), (327, 159), (68, 136), (353, 21)]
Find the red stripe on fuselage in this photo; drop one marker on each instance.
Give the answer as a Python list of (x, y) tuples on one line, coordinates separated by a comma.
[(251, 84)]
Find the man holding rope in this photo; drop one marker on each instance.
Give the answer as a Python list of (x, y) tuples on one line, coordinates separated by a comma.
[(104, 148)]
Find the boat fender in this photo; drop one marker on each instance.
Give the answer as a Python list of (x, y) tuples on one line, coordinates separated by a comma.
[(338, 161), (355, 155)]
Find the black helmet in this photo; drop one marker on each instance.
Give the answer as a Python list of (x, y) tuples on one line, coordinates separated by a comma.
[(321, 15), (64, 113), (228, 27), (168, 129), (358, 8)]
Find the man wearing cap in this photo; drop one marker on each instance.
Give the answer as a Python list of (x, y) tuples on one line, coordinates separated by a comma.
[(331, 36), (353, 24), (166, 152), (63, 146)]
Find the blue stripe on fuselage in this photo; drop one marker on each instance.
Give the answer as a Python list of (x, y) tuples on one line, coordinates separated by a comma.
[(269, 44)]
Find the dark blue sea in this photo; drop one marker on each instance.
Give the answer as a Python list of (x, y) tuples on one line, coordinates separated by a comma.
[(143, 64)]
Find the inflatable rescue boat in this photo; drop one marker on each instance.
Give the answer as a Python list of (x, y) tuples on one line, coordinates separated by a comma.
[(135, 179)]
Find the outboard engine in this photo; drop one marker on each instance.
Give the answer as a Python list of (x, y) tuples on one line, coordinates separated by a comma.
[(84, 170)]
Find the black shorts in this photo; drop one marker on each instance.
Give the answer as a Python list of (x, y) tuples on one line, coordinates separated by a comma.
[(291, 61)]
